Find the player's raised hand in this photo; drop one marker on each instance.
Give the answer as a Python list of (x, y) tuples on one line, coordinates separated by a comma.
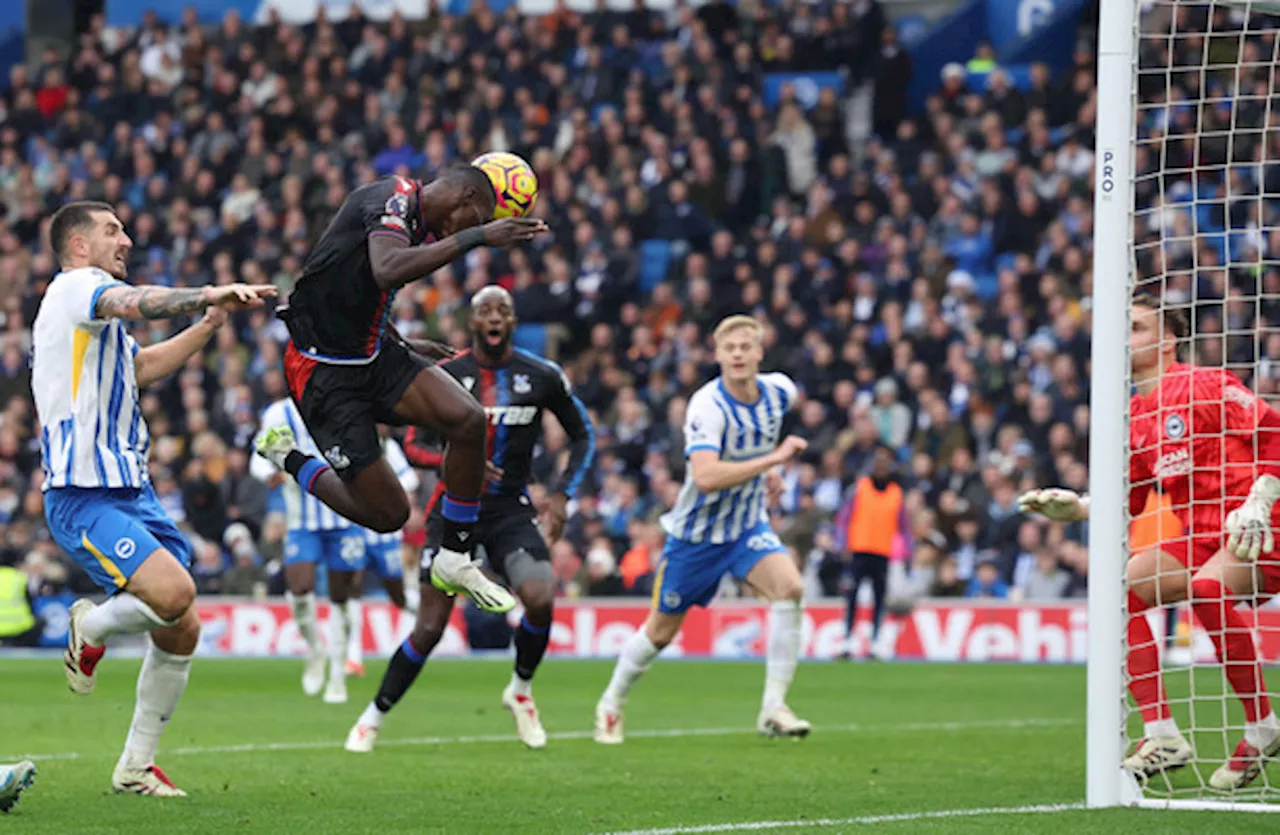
[(791, 446), (513, 230), (1055, 503), (240, 296), (215, 317), (492, 472)]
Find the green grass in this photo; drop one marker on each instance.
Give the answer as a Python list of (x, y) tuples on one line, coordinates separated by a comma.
[(882, 746)]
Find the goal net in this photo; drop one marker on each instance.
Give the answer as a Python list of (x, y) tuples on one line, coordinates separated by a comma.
[(1188, 208)]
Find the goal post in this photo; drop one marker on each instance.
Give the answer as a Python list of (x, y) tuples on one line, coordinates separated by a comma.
[(1106, 784), (1187, 141)]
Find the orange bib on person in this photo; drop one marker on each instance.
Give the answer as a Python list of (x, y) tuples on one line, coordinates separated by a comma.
[(874, 521)]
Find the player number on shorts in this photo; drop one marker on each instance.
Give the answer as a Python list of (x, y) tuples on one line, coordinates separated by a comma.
[(352, 548), (765, 542)]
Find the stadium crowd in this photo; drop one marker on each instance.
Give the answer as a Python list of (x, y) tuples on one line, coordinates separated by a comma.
[(925, 280)]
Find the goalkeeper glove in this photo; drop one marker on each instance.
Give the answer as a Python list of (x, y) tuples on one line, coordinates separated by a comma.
[(1249, 525), (1055, 503)]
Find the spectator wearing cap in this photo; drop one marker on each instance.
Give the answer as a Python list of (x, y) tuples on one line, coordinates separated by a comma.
[(871, 524)]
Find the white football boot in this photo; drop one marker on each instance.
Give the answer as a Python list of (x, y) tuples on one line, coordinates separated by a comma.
[(525, 712), (608, 725), (1245, 765), (455, 573), (81, 659), (1154, 755), (780, 721), (149, 780), (14, 780), (361, 738)]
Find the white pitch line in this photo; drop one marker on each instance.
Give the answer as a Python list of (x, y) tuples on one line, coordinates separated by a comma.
[(865, 820), (657, 733)]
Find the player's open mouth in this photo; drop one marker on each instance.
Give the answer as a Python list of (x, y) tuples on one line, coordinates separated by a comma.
[(495, 337)]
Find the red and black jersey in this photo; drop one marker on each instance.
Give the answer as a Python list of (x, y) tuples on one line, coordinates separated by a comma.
[(514, 396), (337, 313)]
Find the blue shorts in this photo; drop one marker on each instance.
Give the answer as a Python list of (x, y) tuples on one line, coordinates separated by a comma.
[(690, 572), (383, 559), (337, 550), (110, 532)]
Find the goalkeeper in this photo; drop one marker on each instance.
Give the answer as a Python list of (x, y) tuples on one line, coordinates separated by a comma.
[(1214, 449)]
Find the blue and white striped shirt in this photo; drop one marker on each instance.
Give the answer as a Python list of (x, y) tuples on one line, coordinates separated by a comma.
[(303, 511), (92, 432), (737, 431)]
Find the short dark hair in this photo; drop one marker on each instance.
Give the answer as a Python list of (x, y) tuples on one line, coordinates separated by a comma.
[(466, 175), (1173, 318), (72, 219)]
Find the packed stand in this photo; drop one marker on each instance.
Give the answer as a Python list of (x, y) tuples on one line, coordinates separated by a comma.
[(927, 286)]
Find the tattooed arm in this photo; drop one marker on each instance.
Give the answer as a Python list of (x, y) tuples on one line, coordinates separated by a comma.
[(166, 303)]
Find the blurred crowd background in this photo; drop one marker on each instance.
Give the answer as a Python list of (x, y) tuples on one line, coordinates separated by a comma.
[(925, 278)]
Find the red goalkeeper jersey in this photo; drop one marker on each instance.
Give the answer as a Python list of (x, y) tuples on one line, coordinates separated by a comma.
[(1204, 437)]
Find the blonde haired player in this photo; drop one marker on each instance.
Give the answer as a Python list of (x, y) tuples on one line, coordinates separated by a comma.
[(720, 524), (1214, 449), (98, 500)]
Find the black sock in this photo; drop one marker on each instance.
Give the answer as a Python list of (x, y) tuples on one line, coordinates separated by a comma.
[(531, 645), (460, 517), (458, 536), (400, 675)]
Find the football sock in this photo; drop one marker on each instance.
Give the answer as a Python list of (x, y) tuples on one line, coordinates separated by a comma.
[(531, 644), (460, 517), (304, 615), (371, 716), (1146, 682), (412, 595), (1233, 642), (304, 468), (636, 656), (160, 686), (121, 614), (1262, 733), (401, 672), (782, 651), (355, 630), (337, 640)]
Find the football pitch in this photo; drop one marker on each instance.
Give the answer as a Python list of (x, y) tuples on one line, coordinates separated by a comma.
[(897, 748)]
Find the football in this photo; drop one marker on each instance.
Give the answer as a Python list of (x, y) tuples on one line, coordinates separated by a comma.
[(514, 183)]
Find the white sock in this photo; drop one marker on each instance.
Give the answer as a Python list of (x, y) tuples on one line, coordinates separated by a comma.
[(412, 596), (337, 641), (1161, 729), (304, 615), (782, 651), (520, 686), (1262, 733), (355, 622), (160, 685), (636, 656), (121, 614), (371, 716)]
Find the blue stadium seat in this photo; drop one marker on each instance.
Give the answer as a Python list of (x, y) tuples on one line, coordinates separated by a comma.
[(655, 258), (532, 338)]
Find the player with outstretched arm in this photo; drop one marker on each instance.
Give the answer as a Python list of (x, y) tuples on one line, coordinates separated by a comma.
[(516, 388), (98, 499), (1214, 449), (349, 371), (733, 440)]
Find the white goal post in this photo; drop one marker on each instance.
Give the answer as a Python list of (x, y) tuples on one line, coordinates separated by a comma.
[(1143, 110)]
